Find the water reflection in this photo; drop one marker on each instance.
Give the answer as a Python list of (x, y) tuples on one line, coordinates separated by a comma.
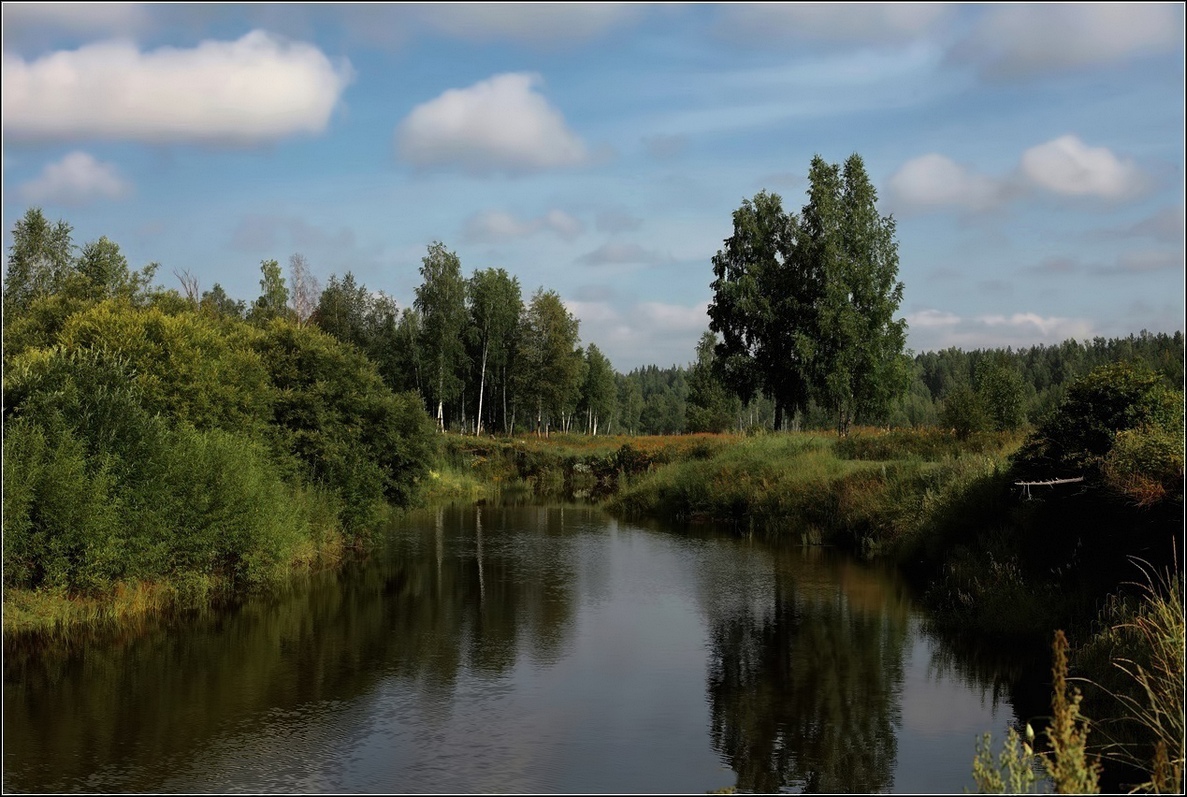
[(806, 672), (515, 649)]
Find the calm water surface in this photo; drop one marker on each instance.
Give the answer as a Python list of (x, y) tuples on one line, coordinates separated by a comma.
[(520, 649)]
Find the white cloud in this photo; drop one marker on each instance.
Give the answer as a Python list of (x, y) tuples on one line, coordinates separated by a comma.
[(526, 22), (933, 330), (492, 226), (931, 318), (617, 253), (840, 22), (497, 125), (1048, 329), (1018, 40), (258, 88), (1064, 166), (934, 180), (1069, 167), (669, 331), (76, 179)]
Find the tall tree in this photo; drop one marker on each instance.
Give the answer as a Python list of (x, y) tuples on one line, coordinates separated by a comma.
[(850, 256), (216, 302), (548, 365), (495, 306), (303, 288), (759, 307), (39, 261), (441, 302), (274, 296), (630, 403), (599, 393), (342, 310), (1000, 386), (102, 272), (710, 407)]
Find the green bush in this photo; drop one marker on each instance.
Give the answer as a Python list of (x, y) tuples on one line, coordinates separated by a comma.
[(349, 432), (1146, 463), (1077, 438)]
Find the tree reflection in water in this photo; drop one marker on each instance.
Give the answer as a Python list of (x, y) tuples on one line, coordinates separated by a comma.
[(805, 681)]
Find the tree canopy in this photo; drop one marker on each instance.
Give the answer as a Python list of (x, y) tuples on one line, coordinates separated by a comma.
[(805, 303)]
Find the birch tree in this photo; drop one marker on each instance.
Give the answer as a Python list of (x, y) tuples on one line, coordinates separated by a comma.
[(441, 302)]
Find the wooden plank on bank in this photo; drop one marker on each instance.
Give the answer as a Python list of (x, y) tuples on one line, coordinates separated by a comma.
[(1049, 482)]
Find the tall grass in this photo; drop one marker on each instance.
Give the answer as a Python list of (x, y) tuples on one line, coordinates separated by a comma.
[(1068, 765), (817, 489), (1134, 666)]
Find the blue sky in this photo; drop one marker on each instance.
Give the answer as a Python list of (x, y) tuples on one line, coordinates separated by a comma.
[(1032, 155)]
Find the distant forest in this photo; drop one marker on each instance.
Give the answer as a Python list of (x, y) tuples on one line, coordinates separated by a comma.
[(483, 359)]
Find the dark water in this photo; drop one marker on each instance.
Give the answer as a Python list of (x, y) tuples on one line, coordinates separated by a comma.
[(520, 649)]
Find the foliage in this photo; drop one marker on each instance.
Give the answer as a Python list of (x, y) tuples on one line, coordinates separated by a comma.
[(274, 295), (216, 302), (599, 394), (1135, 662), (1013, 770), (39, 261), (548, 363), (495, 305), (759, 306), (1146, 464), (1066, 762), (440, 300), (1114, 398), (710, 408), (187, 366), (964, 411), (806, 303), (333, 413), (102, 491), (932, 445), (1000, 389), (858, 365)]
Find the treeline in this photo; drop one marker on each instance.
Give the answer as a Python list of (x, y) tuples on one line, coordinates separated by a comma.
[(152, 437)]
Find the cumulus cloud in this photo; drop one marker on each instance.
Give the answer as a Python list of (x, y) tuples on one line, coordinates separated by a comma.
[(492, 226), (1020, 40), (1065, 167), (834, 22), (255, 89), (77, 179), (933, 180), (497, 125), (1069, 167), (617, 253)]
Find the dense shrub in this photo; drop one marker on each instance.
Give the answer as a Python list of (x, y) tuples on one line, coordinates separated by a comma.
[(1076, 439), (334, 414)]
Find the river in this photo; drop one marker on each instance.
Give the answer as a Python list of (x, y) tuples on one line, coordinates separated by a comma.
[(520, 649)]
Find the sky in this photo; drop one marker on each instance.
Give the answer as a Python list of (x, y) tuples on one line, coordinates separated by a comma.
[(1032, 156)]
